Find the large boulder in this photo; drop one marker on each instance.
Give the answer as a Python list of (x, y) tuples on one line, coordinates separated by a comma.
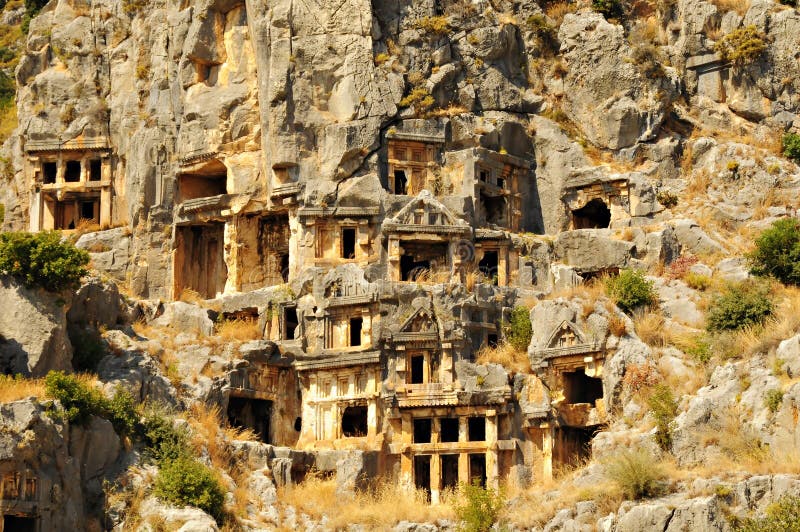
[(592, 250), (33, 330)]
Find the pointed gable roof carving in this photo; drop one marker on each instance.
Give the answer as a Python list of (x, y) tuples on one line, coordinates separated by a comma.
[(426, 214)]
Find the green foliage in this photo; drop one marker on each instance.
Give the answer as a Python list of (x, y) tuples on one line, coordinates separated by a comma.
[(741, 305), (2, 212), (546, 33), (742, 46), (42, 260), (773, 399), (7, 87), (164, 441), (699, 347), (78, 398), (479, 508), (698, 281), (636, 472), (518, 330), (185, 481), (88, 348), (777, 252), (121, 411), (664, 408), (608, 8), (783, 516), (791, 146), (630, 290)]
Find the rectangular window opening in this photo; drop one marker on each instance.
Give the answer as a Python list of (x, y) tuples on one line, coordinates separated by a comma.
[(95, 170), (354, 422), (355, 331), (290, 322), (348, 242), (422, 430), (477, 428), (449, 429), (72, 172), (49, 171), (400, 182), (449, 471), (417, 369), (477, 469)]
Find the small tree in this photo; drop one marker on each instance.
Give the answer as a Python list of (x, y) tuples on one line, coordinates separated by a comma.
[(79, 399), (185, 481), (479, 508), (518, 330), (42, 260), (777, 252), (740, 306), (631, 290), (791, 146), (664, 408)]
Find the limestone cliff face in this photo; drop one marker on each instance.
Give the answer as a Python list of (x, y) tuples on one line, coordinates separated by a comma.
[(291, 101)]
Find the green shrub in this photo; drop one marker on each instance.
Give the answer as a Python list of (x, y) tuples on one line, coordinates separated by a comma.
[(121, 411), (546, 33), (518, 330), (420, 99), (741, 46), (699, 348), (664, 408), (791, 146), (636, 472), (78, 398), (741, 305), (164, 441), (87, 348), (777, 252), (42, 259), (782, 516), (479, 508), (608, 8), (773, 399), (185, 481), (630, 290)]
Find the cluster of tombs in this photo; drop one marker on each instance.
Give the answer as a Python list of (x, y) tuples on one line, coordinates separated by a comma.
[(344, 370)]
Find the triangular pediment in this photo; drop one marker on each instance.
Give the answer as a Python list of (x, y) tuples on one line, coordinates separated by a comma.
[(565, 335), (426, 210), (421, 321)]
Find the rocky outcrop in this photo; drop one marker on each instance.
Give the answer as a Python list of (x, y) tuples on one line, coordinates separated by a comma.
[(33, 330)]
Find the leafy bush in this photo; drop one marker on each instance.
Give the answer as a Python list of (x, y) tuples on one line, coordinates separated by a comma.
[(630, 290), (42, 259), (697, 281), (741, 305), (782, 516), (664, 408), (479, 508), (777, 252), (121, 411), (636, 472), (773, 399), (741, 46), (518, 330), (185, 481), (164, 441), (79, 399), (791, 146), (608, 8)]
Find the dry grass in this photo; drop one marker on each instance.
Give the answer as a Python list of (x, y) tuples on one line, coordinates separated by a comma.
[(8, 121), (507, 356), (650, 327), (15, 389), (740, 6), (558, 10), (387, 503), (190, 296), (240, 329), (449, 111), (617, 325)]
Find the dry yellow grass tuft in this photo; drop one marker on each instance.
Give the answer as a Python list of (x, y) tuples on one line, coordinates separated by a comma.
[(740, 6), (241, 329), (558, 10), (650, 328), (507, 356), (617, 325), (386, 504), (16, 388)]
